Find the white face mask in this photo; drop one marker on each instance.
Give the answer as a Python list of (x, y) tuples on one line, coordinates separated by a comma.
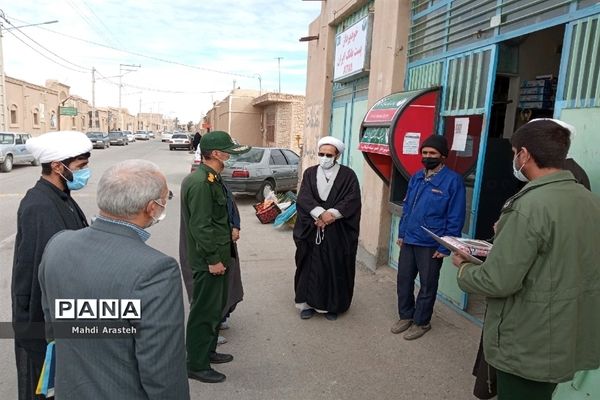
[(163, 214), (326, 162), (517, 172)]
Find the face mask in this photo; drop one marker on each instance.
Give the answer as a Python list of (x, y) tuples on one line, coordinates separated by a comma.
[(326, 162), (79, 180), (222, 162), (517, 172), (431, 162), (163, 214)]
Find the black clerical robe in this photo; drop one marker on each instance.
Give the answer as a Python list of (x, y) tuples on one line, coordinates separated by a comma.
[(44, 211), (325, 272)]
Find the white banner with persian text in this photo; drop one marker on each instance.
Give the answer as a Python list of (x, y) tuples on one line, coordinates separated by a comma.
[(351, 50)]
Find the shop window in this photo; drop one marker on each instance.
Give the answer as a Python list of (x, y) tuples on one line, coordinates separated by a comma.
[(36, 117), (13, 115)]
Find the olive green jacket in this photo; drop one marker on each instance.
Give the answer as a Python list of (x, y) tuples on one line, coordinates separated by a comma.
[(542, 282), (204, 213)]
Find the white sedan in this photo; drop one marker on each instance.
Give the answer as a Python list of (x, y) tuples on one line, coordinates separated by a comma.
[(166, 136), (179, 141)]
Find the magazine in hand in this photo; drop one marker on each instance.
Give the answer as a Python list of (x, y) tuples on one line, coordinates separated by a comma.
[(469, 248)]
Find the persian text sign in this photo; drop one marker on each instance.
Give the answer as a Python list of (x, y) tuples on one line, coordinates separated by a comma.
[(351, 47)]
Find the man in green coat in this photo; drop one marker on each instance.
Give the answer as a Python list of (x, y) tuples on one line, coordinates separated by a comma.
[(209, 250), (541, 278)]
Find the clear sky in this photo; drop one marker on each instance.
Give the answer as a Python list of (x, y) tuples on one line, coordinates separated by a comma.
[(219, 41)]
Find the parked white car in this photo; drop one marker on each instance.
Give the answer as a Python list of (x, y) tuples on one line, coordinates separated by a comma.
[(130, 136), (141, 135), (13, 150), (166, 136)]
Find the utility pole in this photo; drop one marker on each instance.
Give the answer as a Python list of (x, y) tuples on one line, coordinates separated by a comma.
[(2, 81), (93, 119), (279, 70), (121, 69)]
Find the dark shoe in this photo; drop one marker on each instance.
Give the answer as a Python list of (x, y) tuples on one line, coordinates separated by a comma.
[(401, 325), (307, 314), (331, 316), (219, 358), (416, 331), (207, 376)]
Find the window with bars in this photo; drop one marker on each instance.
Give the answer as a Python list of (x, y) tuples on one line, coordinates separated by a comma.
[(270, 127), (582, 79), (13, 115), (467, 82)]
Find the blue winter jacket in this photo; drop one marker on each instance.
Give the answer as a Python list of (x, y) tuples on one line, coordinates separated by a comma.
[(437, 204)]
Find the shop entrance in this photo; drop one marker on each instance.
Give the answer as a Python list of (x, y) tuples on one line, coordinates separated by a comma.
[(525, 88)]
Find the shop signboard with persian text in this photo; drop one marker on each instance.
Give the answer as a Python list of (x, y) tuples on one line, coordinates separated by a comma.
[(352, 50)]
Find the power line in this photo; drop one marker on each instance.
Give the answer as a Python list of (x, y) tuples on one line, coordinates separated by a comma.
[(87, 20), (101, 22), (44, 55), (148, 89), (164, 60), (40, 45)]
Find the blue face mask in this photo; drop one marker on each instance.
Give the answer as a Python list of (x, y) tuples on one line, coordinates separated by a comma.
[(80, 178)]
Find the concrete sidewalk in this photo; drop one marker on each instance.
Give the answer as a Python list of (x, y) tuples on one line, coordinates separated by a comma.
[(279, 356)]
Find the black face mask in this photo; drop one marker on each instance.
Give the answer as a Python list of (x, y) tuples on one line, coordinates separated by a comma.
[(431, 162)]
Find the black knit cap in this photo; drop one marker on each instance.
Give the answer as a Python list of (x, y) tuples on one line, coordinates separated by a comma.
[(437, 142)]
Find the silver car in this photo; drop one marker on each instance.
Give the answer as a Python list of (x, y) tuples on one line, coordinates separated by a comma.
[(13, 150), (261, 170)]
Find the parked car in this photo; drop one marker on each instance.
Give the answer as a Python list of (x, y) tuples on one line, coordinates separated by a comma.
[(151, 134), (13, 150), (261, 170), (130, 136), (141, 135), (118, 138), (100, 140), (166, 136), (179, 141)]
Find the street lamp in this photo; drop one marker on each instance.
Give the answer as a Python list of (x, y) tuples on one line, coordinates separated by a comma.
[(2, 80)]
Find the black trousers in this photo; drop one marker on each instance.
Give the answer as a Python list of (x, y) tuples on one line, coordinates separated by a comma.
[(29, 369), (413, 260), (513, 387)]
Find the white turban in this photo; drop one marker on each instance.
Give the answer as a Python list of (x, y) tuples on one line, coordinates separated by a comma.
[(58, 146), (335, 142)]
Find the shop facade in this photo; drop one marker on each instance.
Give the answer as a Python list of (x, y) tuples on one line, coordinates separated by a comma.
[(473, 71)]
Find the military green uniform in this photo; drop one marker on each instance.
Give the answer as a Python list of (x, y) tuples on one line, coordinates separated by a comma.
[(208, 235)]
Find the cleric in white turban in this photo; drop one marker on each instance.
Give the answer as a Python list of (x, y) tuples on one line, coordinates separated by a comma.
[(46, 209), (58, 146), (326, 234)]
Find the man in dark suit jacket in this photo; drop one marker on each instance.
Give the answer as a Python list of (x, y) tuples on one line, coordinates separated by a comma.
[(109, 260)]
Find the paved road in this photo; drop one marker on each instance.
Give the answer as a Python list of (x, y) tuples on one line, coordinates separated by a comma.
[(277, 355)]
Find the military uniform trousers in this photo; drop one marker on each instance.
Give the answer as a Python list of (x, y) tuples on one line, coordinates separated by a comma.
[(209, 299)]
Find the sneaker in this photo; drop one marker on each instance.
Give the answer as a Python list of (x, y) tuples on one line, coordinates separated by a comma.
[(416, 331), (401, 325), (308, 313), (221, 340)]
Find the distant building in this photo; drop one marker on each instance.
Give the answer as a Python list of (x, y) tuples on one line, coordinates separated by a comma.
[(268, 120)]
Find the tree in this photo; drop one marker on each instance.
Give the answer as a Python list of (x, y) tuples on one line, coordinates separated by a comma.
[(190, 125)]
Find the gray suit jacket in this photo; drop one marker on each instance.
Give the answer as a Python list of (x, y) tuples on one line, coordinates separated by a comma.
[(110, 261)]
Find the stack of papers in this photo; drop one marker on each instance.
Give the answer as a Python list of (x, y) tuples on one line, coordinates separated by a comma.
[(468, 248)]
